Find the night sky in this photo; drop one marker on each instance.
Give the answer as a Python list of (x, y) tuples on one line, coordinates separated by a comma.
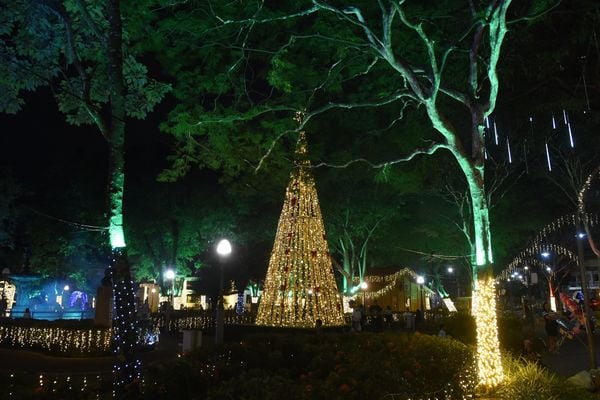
[(49, 156)]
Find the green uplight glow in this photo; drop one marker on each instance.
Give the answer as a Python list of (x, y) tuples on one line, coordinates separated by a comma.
[(117, 237)]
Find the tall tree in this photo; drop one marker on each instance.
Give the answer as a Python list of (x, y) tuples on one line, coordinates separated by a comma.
[(444, 60), (77, 47)]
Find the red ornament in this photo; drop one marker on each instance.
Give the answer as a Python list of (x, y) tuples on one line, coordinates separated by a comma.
[(294, 200), (313, 253), (317, 289), (287, 251), (282, 288)]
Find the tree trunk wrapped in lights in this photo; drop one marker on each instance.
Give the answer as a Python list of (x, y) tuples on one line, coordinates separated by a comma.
[(489, 362), (300, 286)]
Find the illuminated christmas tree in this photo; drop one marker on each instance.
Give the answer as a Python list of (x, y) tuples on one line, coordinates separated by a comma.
[(300, 287)]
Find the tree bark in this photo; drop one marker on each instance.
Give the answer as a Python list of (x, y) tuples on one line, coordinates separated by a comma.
[(127, 372)]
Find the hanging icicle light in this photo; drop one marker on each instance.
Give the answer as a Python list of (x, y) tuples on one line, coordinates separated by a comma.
[(525, 157), (487, 122), (548, 157), (496, 133), (508, 148), (565, 117), (553, 122), (571, 136)]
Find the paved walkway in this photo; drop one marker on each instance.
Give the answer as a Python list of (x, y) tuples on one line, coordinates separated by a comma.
[(573, 356)]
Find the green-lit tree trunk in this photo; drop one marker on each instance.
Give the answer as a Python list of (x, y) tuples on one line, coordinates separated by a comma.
[(127, 370), (489, 364)]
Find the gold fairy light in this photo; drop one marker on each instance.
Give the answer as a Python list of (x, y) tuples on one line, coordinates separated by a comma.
[(300, 286), (489, 365)]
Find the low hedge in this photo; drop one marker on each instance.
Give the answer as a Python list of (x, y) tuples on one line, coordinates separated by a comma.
[(65, 338), (331, 366)]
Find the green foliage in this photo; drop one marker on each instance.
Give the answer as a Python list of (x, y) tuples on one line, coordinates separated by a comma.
[(11, 191), (65, 43), (332, 366), (461, 326), (511, 332), (529, 381)]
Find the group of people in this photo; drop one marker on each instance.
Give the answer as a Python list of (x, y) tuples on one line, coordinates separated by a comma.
[(381, 318)]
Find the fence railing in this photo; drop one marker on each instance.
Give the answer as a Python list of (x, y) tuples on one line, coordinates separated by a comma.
[(51, 315), (191, 319)]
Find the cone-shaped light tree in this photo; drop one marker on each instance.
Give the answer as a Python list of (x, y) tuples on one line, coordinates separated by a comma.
[(300, 286)]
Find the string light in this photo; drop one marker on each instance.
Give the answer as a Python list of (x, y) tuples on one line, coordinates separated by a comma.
[(489, 363), (540, 243), (127, 368), (392, 282), (64, 340), (300, 286)]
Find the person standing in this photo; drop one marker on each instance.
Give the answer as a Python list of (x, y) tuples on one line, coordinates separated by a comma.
[(442, 331), (376, 317), (388, 315), (3, 306), (356, 318), (551, 327), (409, 320), (418, 319)]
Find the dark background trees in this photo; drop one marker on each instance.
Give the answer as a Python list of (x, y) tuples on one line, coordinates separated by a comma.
[(205, 91)]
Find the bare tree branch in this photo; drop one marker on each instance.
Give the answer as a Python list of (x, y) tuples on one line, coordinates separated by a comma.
[(427, 150)]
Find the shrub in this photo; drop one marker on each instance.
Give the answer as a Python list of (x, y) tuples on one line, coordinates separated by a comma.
[(331, 366), (510, 332), (461, 326), (529, 381)]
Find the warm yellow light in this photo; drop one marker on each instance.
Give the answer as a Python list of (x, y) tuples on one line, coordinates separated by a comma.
[(489, 364), (300, 286)]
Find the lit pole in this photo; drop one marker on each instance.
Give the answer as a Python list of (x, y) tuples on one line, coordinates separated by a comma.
[(364, 286), (66, 289), (550, 271), (421, 281), (223, 249), (170, 275), (450, 270), (586, 294)]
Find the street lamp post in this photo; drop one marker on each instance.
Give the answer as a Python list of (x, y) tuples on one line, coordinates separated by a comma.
[(223, 249), (170, 275), (586, 295), (450, 270), (421, 281), (550, 269)]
